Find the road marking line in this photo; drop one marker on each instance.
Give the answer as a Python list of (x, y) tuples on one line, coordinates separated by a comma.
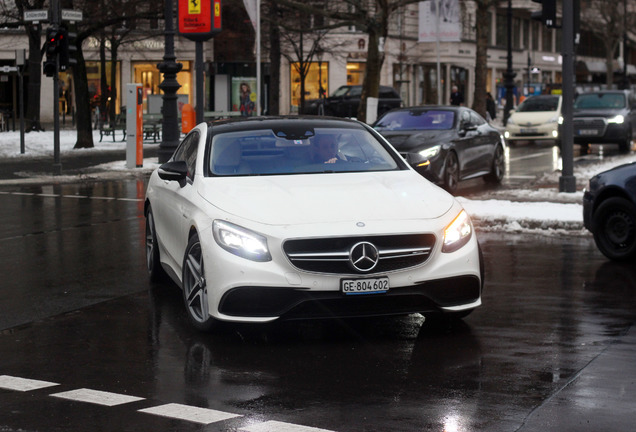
[(47, 195), (97, 397), (276, 426), (23, 384), (189, 413)]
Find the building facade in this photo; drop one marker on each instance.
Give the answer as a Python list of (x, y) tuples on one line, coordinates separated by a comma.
[(423, 71)]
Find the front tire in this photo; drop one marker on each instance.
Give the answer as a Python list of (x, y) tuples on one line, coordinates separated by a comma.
[(156, 273), (451, 173), (498, 168), (195, 290), (615, 229)]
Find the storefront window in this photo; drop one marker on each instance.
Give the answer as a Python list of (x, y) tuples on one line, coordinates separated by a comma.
[(355, 73), (318, 74), (149, 77), (93, 74)]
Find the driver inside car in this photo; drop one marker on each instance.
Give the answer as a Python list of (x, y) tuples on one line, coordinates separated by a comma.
[(325, 150)]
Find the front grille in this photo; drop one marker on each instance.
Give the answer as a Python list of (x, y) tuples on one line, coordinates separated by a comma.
[(331, 255)]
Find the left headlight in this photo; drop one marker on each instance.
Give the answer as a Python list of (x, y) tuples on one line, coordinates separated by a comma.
[(457, 233), (619, 119), (240, 241), (431, 152)]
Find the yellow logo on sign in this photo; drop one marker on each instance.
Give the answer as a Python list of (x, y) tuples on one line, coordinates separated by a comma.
[(217, 9), (194, 7)]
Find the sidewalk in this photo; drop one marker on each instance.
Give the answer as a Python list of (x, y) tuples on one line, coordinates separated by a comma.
[(36, 165)]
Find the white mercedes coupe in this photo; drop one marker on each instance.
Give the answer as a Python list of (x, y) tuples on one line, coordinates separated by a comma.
[(263, 219)]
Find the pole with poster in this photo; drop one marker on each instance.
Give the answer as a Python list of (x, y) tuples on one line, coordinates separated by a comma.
[(199, 21), (134, 126)]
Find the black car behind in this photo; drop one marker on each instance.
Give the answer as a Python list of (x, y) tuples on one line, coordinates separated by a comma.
[(457, 141), (344, 102), (609, 211), (604, 117)]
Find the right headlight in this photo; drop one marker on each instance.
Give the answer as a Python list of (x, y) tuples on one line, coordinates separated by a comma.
[(457, 233), (241, 241), (431, 152)]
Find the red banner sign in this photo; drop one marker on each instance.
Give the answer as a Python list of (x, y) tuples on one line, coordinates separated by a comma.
[(199, 20)]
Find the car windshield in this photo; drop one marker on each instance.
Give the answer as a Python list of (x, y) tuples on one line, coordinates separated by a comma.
[(417, 120), (319, 150), (341, 91), (600, 101), (539, 103)]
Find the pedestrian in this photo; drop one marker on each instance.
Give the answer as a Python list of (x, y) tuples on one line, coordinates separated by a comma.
[(491, 108), (456, 97)]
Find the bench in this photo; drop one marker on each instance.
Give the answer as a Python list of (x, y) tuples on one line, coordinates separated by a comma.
[(152, 126), (110, 129)]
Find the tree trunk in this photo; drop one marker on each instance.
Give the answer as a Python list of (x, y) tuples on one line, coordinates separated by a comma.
[(32, 115), (274, 59), (112, 110), (82, 101), (481, 61), (371, 83), (103, 83)]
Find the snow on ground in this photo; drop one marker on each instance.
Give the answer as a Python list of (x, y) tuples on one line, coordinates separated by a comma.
[(540, 209)]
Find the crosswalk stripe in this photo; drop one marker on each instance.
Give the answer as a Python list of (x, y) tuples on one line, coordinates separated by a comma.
[(276, 426), (172, 410), (97, 397), (23, 384), (189, 413)]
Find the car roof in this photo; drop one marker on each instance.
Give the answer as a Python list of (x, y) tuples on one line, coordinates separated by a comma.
[(275, 122), (430, 107)]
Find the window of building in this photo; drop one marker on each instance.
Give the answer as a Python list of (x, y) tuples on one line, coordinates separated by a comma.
[(355, 73), (149, 77), (546, 39), (93, 74), (317, 75), (501, 31), (516, 33), (536, 31)]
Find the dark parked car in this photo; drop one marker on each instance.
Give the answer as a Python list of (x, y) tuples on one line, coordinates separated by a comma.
[(609, 211), (344, 102), (604, 117), (458, 143)]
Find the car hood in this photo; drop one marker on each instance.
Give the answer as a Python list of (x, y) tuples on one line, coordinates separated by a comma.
[(327, 198), (407, 141), (598, 112), (535, 117)]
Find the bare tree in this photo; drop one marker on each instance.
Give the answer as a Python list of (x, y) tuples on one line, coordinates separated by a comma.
[(482, 33), (98, 17), (608, 20), (13, 17)]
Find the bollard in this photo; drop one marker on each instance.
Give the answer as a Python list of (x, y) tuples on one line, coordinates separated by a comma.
[(187, 118)]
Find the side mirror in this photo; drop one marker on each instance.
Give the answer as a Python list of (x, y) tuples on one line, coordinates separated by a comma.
[(173, 171)]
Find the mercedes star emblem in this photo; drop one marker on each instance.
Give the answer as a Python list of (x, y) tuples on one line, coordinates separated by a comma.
[(364, 256)]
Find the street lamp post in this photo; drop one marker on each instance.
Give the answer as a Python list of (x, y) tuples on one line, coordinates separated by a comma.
[(509, 74), (169, 67)]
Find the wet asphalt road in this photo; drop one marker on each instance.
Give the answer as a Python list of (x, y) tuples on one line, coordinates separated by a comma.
[(551, 348)]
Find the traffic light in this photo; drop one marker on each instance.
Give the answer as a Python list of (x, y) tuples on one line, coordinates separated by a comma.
[(68, 48), (51, 48), (547, 14)]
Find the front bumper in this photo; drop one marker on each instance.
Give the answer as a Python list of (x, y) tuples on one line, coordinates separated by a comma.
[(598, 131), (545, 131), (588, 210), (240, 290), (288, 303)]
